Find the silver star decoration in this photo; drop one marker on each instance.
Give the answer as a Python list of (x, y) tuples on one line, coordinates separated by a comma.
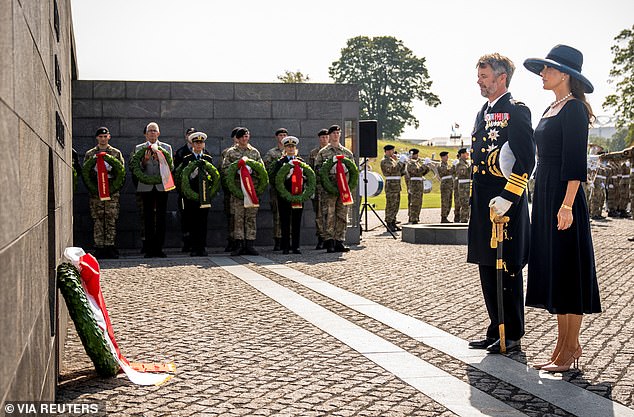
[(493, 134), (491, 148)]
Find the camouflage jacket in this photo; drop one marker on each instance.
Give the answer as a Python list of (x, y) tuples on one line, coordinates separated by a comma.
[(235, 152)]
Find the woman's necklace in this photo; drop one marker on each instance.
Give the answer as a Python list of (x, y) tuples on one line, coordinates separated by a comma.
[(561, 100)]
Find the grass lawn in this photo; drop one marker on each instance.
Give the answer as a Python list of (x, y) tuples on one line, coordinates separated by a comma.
[(430, 200)]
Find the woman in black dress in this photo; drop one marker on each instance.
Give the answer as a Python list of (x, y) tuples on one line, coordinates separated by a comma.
[(561, 270)]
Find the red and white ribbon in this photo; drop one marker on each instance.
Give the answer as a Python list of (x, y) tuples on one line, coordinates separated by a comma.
[(297, 182), (246, 183), (102, 178), (89, 272), (166, 172)]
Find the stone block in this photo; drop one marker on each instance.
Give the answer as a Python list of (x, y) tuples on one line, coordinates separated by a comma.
[(327, 92), (218, 128), (208, 91), (6, 52), (86, 127), (288, 109), (324, 110), (23, 66), (33, 168), (264, 91), (82, 89), (311, 127), (435, 234), (350, 110), (147, 89), (187, 108), (87, 108), (171, 129), (109, 89), (9, 177), (127, 108), (242, 109)]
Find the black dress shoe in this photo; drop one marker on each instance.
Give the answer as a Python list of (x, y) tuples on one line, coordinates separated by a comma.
[(631, 239), (511, 346), (482, 344), (160, 254), (297, 251)]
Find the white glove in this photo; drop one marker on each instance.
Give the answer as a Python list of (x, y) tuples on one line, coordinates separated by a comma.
[(455, 162), (402, 158), (108, 167), (334, 158), (500, 205), (427, 161), (194, 173), (249, 169)]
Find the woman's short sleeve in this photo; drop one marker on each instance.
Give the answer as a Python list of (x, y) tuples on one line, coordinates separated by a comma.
[(574, 127)]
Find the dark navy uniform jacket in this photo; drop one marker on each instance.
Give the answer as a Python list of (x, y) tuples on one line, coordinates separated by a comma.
[(508, 122)]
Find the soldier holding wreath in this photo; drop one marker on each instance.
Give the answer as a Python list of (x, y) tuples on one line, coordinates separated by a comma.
[(339, 175), (245, 178), (104, 174), (294, 182), (151, 165), (198, 181)]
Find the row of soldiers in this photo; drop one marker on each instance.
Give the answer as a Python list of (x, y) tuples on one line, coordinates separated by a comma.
[(610, 185), (454, 178), (153, 181)]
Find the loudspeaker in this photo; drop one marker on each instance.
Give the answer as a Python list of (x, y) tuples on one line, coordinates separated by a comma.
[(368, 132)]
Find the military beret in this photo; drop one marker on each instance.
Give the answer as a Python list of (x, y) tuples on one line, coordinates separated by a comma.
[(198, 137), (281, 130), (334, 128), (322, 132), (234, 131), (443, 153), (414, 151), (241, 132), (462, 150), (102, 131), (388, 147), (290, 140)]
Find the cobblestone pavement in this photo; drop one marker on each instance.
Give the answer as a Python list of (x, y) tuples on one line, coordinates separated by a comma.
[(238, 352)]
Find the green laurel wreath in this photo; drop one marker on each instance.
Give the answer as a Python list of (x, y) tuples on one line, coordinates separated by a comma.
[(213, 177), (309, 187), (260, 179), (74, 179), (91, 335), (135, 167), (326, 182), (90, 177)]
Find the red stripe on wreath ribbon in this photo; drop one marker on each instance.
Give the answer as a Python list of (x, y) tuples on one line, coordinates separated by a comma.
[(102, 178), (342, 182), (297, 182), (250, 196)]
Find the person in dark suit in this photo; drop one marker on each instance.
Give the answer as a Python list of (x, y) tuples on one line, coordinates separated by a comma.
[(503, 155)]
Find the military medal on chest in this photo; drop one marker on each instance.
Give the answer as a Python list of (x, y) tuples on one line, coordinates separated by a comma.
[(496, 120)]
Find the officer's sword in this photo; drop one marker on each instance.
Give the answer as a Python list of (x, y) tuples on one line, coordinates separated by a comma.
[(497, 240)]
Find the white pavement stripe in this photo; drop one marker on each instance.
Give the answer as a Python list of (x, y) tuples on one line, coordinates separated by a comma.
[(440, 386), (549, 387)]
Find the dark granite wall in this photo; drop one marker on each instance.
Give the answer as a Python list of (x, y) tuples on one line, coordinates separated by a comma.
[(126, 107), (36, 66)]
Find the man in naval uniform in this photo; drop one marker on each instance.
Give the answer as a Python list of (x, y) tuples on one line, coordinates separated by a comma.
[(503, 159)]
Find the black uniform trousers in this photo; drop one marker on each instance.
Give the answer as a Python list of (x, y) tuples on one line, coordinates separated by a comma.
[(154, 209), (290, 223), (513, 302), (197, 224)]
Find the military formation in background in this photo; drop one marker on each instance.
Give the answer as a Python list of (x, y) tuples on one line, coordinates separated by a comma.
[(609, 189)]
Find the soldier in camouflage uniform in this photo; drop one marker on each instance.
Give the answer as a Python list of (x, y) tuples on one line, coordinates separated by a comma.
[(104, 213), (463, 177), (319, 189), (416, 170), (393, 168), (632, 186), (596, 190), (624, 189), (226, 198), (334, 210), (612, 188), (446, 173), (244, 226), (270, 159)]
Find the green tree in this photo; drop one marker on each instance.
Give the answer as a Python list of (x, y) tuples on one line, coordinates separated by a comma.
[(390, 77), (293, 77), (622, 73)]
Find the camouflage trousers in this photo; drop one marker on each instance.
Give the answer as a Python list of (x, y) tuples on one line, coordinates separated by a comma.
[(228, 213), (275, 211), (612, 197), (446, 189), (415, 200), (392, 204), (336, 217), (319, 212), (597, 199), (624, 195), (104, 216), (244, 226), (461, 209)]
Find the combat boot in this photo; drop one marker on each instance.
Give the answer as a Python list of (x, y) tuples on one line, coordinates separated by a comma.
[(249, 249), (340, 247), (330, 246), (444, 220), (230, 245), (277, 246), (113, 252), (320, 243), (238, 246)]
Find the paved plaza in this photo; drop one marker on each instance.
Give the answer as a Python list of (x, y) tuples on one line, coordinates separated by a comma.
[(379, 331)]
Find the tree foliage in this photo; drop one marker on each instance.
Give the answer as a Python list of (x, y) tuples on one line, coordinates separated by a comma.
[(293, 77), (390, 77), (622, 73)]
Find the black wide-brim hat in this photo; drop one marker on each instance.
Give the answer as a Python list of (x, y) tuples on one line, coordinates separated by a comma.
[(563, 58)]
